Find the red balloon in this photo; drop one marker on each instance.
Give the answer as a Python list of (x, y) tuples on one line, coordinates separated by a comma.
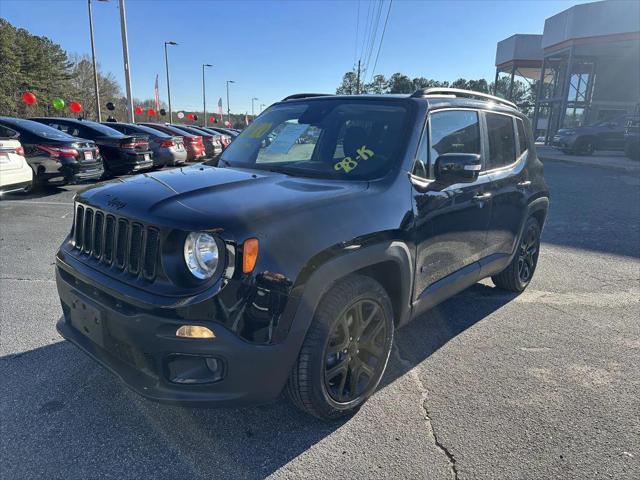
[(29, 98), (212, 119), (75, 107), (151, 112), (138, 110), (190, 116)]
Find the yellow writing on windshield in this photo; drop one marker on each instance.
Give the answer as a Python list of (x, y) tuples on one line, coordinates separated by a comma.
[(347, 163)]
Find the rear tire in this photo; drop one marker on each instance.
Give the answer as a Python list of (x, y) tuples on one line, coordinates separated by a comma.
[(346, 350), (519, 273), (585, 146)]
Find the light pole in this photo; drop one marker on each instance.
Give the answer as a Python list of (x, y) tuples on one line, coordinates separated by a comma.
[(125, 55), (166, 64), (204, 96), (93, 57), (262, 105), (252, 111), (229, 108)]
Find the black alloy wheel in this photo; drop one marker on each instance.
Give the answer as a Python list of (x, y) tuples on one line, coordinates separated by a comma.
[(346, 349), (528, 254), (355, 352), (519, 273)]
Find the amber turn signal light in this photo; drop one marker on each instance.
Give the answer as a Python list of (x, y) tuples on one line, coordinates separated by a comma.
[(194, 331), (249, 254)]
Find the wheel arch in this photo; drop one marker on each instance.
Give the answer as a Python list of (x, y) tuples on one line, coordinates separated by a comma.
[(389, 263)]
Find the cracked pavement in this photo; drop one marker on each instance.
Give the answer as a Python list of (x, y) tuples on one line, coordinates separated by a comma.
[(488, 385)]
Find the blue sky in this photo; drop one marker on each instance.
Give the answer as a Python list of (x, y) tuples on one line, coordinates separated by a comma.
[(275, 48)]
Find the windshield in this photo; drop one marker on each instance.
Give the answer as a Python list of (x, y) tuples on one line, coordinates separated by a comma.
[(333, 138), (39, 129), (151, 131)]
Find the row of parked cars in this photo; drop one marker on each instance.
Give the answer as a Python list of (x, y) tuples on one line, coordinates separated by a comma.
[(57, 151)]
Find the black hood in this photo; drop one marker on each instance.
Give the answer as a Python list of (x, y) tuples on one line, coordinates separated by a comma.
[(205, 197)]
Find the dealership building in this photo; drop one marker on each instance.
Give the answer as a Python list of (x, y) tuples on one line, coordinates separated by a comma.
[(584, 68)]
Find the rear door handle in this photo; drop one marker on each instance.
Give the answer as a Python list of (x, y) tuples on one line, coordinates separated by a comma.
[(525, 184), (481, 197)]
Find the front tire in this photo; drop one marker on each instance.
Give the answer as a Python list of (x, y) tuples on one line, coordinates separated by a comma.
[(519, 273), (346, 350)]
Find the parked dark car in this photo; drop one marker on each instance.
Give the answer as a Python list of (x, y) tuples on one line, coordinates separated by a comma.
[(55, 157), (192, 142), (605, 135), (121, 153), (290, 265), (211, 141), (632, 139), (167, 149)]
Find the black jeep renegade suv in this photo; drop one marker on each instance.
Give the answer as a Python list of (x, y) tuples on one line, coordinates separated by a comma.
[(327, 223)]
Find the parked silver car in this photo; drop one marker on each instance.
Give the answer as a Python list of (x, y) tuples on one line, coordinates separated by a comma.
[(167, 149)]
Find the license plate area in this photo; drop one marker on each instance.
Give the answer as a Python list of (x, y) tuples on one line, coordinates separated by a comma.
[(88, 155), (147, 157), (87, 319)]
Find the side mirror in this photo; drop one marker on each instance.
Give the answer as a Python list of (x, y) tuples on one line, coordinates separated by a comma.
[(453, 168)]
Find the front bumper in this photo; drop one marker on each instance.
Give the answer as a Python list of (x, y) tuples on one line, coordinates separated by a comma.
[(563, 142), (139, 347)]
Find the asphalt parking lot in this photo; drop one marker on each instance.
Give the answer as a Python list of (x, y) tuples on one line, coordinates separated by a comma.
[(488, 385)]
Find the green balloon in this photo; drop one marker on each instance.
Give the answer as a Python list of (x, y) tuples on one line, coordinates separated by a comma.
[(58, 103)]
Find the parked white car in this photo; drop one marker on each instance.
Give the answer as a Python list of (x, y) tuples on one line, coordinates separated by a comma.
[(15, 172)]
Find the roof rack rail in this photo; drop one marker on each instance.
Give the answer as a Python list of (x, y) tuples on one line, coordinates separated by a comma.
[(305, 95), (458, 92)]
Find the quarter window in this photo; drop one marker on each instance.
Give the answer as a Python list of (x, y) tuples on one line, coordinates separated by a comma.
[(502, 147), (522, 137), (453, 131)]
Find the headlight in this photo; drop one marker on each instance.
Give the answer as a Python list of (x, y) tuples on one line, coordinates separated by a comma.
[(201, 254)]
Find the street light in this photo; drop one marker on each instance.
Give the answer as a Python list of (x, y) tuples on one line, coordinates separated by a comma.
[(252, 111), (166, 64), (262, 105), (125, 56), (93, 57), (204, 96), (229, 108)]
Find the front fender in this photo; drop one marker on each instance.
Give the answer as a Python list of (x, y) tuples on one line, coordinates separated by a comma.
[(316, 279)]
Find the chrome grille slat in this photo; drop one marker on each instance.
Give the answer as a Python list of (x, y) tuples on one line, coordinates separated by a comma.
[(116, 241)]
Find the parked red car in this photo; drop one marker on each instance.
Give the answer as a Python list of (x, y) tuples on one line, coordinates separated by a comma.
[(192, 143)]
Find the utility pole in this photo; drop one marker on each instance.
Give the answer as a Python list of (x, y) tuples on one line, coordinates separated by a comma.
[(95, 67), (204, 96), (125, 54), (358, 80), (252, 110), (166, 64)]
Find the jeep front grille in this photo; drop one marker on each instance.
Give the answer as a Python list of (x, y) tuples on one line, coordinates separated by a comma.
[(117, 241)]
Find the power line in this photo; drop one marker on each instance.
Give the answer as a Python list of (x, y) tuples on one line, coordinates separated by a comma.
[(374, 34), (384, 29), (365, 39), (355, 50)]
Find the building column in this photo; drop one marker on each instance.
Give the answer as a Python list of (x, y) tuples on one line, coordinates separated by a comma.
[(565, 89), (536, 109), (513, 73), (495, 83)]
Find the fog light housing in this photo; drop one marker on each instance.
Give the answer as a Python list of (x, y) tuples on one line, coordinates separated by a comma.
[(194, 331), (194, 369)]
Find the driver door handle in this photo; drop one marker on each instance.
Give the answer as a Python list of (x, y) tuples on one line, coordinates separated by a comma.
[(525, 184), (481, 197)]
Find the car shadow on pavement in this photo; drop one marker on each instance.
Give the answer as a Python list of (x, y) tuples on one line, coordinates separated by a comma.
[(64, 416), (40, 192)]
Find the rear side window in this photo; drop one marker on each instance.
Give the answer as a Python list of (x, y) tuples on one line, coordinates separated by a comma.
[(522, 137), (455, 131), (502, 146)]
